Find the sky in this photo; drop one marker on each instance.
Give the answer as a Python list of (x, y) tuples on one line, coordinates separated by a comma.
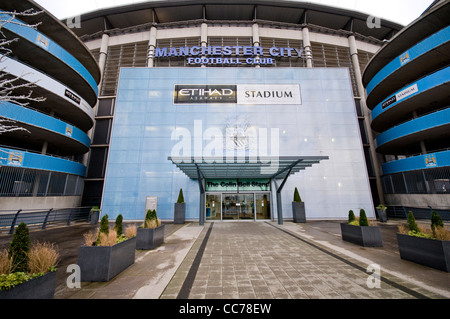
[(399, 11)]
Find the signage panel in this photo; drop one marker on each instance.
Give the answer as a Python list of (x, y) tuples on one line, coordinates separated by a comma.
[(268, 94), (246, 94), (237, 185)]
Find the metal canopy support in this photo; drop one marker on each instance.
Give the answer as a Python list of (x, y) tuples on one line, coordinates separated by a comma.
[(279, 205), (202, 196)]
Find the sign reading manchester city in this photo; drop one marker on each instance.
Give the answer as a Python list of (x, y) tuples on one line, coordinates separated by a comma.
[(250, 94), (228, 55)]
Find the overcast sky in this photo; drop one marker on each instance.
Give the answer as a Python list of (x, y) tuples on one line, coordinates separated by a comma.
[(400, 11)]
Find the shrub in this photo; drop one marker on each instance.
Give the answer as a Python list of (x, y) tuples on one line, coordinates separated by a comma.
[(436, 222), (8, 281), (297, 198), (19, 248), (104, 228), (412, 225), (363, 218), (151, 219), (180, 196), (42, 258), (119, 225), (351, 216)]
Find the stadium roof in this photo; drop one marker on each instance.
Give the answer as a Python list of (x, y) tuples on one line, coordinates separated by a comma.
[(57, 31), (278, 12)]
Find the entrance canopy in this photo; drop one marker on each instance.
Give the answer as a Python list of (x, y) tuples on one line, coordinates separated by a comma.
[(280, 167), (261, 167)]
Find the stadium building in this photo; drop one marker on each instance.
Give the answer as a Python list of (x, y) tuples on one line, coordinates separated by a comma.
[(407, 84), (236, 103), (42, 150), (239, 103)]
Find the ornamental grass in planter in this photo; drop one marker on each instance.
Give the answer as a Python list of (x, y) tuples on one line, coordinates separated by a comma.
[(107, 252), (358, 231), (425, 246), (151, 234), (27, 271)]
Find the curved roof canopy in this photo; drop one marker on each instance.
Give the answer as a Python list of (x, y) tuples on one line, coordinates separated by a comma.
[(432, 20), (287, 12), (57, 31)]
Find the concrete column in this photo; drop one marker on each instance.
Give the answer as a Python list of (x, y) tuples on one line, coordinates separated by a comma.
[(423, 148), (103, 53), (366, 111), (204, 37), (151, 47), (307, 47), (255, 35), (101, 63)]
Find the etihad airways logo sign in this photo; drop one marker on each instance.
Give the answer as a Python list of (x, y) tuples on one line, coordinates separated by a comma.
[(237, 94)]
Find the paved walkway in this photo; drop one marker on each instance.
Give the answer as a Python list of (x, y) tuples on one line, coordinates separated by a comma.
[(245, 260), (252, 260), (265, 260)]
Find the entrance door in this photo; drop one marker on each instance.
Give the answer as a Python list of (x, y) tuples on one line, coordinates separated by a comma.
[(237, 206), (262, 205), (213, 206)]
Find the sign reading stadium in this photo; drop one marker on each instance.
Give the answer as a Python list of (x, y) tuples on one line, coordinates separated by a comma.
[(228, 55), (250, 94)]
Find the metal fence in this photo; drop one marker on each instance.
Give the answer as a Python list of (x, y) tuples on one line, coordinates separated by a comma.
[(426, 181), (418, 212), (26, 182), (42, 218)]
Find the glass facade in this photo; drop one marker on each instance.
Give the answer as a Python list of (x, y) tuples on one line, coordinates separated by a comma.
[(148, 127)]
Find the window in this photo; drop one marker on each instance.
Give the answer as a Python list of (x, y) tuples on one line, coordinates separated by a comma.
[(124, 55)]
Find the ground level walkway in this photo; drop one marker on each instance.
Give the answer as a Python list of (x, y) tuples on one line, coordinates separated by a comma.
[(246, 260)]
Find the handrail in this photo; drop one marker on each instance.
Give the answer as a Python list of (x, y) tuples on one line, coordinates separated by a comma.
[(42, 218)]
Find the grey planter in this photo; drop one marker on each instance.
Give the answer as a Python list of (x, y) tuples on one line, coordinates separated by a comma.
[(382, 215), (42, 287), (149, 238), (102, 263), (298, 212), (179, 212), (367, 236), (429, 252)]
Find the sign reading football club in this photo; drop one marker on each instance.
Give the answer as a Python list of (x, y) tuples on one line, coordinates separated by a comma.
[(228, 55)]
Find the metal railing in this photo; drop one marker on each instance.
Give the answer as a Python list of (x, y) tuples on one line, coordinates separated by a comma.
[(41, 218), (418, 212)]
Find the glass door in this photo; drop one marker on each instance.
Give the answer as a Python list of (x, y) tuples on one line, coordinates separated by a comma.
[(230, 206), (237, 206), (262, 205), (246, 206), (213, 206)]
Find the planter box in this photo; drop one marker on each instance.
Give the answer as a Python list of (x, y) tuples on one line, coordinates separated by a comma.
[(382, 215), (102, 263), (367, 236), (429, 252), (179, 213), (149, 238), (298, 212), (42, 287)]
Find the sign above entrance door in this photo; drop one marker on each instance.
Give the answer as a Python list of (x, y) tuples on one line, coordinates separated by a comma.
[(237, 185)]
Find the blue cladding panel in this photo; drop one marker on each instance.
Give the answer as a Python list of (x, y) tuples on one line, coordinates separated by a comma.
[(146, 118)]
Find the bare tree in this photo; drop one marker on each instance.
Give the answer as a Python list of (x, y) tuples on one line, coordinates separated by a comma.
[(11, 85)]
